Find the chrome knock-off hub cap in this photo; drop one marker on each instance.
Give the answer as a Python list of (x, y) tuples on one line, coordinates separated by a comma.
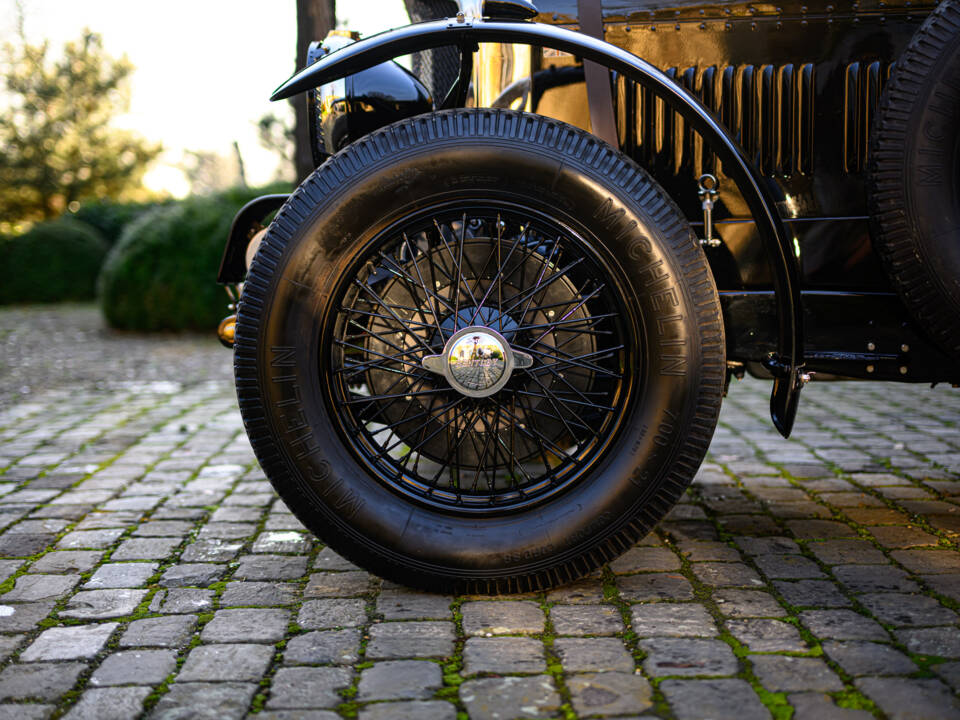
[(477, 361)]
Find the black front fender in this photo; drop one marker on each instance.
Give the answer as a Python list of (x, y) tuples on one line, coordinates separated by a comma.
[(788, 364)]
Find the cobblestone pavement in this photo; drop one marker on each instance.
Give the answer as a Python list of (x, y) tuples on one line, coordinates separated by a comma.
[(148, 570)]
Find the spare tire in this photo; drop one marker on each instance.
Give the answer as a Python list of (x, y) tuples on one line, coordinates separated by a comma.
[(915, 177)]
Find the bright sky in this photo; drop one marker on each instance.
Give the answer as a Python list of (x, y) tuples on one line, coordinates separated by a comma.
[(204, 68)]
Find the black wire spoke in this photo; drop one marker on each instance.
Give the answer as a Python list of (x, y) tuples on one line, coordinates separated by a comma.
[(533, 433), (572, 310), (569, 324), (430, 293), (547, 262), (549, 293), (385, 306), (392, 358), (549, 281), (571, 361), (497, 278)]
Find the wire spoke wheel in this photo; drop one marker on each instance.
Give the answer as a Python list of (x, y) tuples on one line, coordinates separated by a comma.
[(537, 292), (479, 351)]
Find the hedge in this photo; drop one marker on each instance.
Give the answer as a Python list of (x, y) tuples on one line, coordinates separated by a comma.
[(161, 274), (54, 261)]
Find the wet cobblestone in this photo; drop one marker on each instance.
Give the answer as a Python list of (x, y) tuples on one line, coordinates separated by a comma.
[(148, 570)]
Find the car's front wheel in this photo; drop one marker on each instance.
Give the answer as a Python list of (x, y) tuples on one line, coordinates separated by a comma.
[(480, 350)]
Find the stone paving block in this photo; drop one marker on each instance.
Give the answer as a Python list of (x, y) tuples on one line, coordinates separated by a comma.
[(394, 640), (902, 537), (928, 562), (791, 567), (327, 559), (502, 617), (410, 710), (164, 528), (263, 594), (170, 632), (949, 672), (182, 600), (672, 620), (654, 586), (875, 578), (323, 647), (510, 697), (89, 539), (947, 584), (308, 687), (192, 574), (121, 575), (8, 644), (764, 635), (688, 656), (29, 588), (271, 567), (586, 620), (847, 552), (245, 625), (69, 643), (214, 663), (907, 610), (67, 561), (609, 693), (109, 704), (103, 604), (586, 591), (764, 546), (820, 529), (867, 658), (811, 593), (503, 655), (410, 605), (747, 603), (210, 550), (818, 706), (24, 544), (785, 673), (26, 712), (135, 667), (939, 641), (726, 575), (331, 613), (19, 617), (646, 559), (602, 654), (400, 680), (281, 542), (911, 698), (337, 584), (204, 701), (720, 699), (41, 681), (145, 549), (842, 625), (708, 552)]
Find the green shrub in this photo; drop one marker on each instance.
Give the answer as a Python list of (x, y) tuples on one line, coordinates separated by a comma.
[(110, 217), (162, 272), (54, 261)]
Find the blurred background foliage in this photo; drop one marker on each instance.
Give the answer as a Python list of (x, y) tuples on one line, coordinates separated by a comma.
[(57, 143), (77, 223)]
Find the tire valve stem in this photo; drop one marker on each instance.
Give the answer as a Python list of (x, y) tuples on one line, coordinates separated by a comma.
[(707, 191)]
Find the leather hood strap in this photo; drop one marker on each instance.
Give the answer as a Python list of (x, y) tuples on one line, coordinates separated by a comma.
[(599, 95)]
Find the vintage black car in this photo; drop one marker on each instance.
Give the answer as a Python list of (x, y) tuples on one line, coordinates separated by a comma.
[(484, 345)]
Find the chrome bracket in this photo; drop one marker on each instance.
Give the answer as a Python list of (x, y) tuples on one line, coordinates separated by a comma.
[(707, 191)]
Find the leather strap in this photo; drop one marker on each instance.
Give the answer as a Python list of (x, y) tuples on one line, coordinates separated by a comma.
[(599, 96)]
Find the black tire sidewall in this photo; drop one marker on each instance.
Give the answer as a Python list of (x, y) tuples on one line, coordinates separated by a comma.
[(312, 466)]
